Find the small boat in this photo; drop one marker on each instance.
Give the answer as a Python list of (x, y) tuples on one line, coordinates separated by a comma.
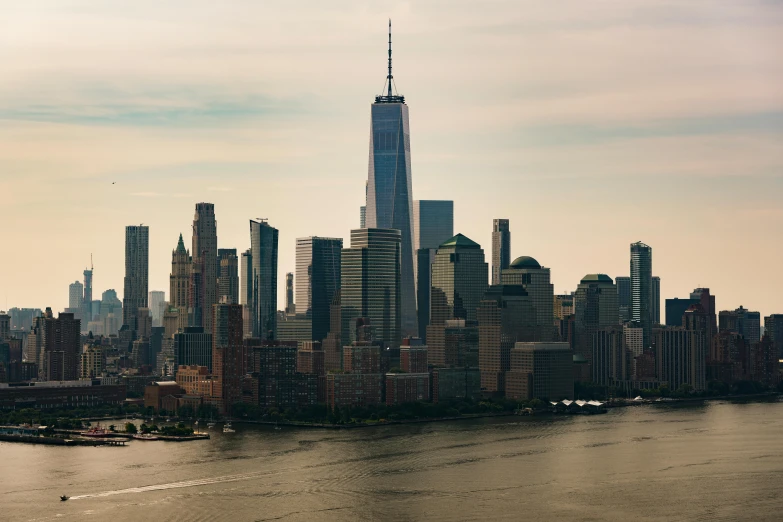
[(96, 431), (227, 428), (211, 425), (63, 498)]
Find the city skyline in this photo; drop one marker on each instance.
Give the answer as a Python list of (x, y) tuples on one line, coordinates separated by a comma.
[(203, 135)]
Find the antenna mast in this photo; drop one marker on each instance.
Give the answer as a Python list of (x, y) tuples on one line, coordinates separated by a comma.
[(390, 77)]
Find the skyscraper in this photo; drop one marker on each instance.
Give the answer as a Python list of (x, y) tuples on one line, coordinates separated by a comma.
[(204, 254), (773, 328), (87, 309), (624, 297), (179, 282), (229, 358), (596, 308), (433, 222), (501, 248), (317, 280), (228, 276), (60, 343), (641, 289), (370, 286), (137, 247), (535, 279), (459, 281), (389, 187), (656, 300), (263, 279), (75, 296), (246, 290), (290, 307), (156, 300)]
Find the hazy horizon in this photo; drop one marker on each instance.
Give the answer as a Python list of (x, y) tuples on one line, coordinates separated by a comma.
[(589, 126)]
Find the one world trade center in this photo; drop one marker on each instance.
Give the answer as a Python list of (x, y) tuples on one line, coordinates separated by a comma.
[(389, 191)]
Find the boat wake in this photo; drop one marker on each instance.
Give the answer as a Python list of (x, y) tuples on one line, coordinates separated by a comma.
[(174, 485)]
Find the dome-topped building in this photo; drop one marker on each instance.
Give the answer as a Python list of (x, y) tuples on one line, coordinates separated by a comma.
[(524, 262), (529, 273)]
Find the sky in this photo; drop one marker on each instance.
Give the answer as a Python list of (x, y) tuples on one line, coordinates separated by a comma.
[(590, 125)]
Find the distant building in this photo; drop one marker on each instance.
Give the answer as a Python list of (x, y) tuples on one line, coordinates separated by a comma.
[(76, 296), (611, 360), (204, 293), (193, 346), (290, 307), (228, 276), (229, 359), (318, 278), (681, 357), (413, 357), (656, 300), (461, 344), (60, 347), (370, 284), (773, 328), (355, 390), (155, 300), (642, 288), (456, 384), (596, 306), (137, 247), (535, 279), (195, 380), (675, 308), (263, 246), (541, 371), (403, 388), (60, 395), (425, 257), (624, 297), (459, 281), (272, 380), (93, 362), (501, 249), (742, 321)]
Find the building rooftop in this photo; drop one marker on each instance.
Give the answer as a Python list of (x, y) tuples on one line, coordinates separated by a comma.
[(597, 278), (524, 262), (460, 241)]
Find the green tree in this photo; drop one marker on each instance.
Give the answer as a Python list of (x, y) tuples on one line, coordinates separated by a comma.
[(131, 428)]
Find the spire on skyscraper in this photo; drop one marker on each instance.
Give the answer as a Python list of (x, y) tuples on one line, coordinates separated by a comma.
[(390, 97)]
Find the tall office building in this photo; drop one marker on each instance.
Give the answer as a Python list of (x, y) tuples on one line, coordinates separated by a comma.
[(535, 279), (505, 316), (75, 296), (389, 188), (137, 248), (370, 286), (459, 282), (676, 307), (179, 282), (707, 302), (263, 279), (681, 357), (192, 346), (743, 322), (773, 329), (541, 371), (641, 288), (656, 300), (60, 347), (228, 276), (290, 306), (204, 289), (317, 280), (596, 308), (501, 248), (246, 290), (624, 297), (156, 299), (88, 312), (229, 358), (433, 222)]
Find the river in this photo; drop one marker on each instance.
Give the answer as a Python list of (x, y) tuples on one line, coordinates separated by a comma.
[(712, 461)]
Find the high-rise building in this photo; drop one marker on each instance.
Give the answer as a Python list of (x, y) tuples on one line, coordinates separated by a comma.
[(389, 189), (541, 371), (60, 347), (611, 360), (773, 328), (501, 249), (624, 297), (596, 308), (155, 300), (317, 280), (743, 322), (641, 288), (681, 357), (433, 223), (290, 307), (5, 326), (656, 300), (535, 279), (246, 290), (424, 259), (263, 307), (370, 287), (229, 358), (179, 282), (459, 282), (228, 276), (193, 346), (88, 312), (676, 307), (505, 315), (204, 251), (75, 296), (137, 248)]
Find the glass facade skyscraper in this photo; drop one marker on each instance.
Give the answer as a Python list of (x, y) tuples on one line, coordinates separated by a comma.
[(389, 188), (433, 222), (370, 286), (501, 248), (137, 250), (263, 256), (317, 280), (642, 289)]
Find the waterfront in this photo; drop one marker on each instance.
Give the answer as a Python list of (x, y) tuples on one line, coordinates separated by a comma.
[(708, 461)]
